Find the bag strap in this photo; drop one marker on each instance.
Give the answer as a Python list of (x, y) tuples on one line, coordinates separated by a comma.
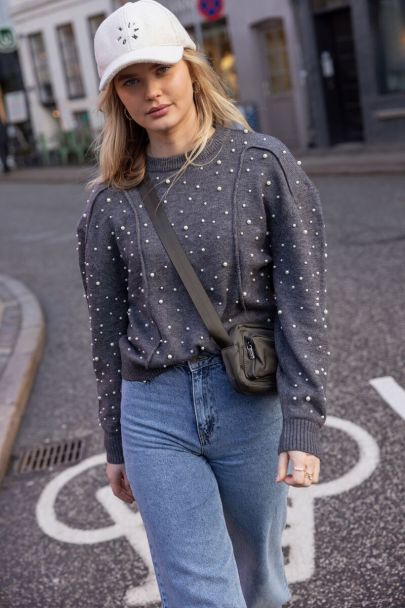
[(182, 264)]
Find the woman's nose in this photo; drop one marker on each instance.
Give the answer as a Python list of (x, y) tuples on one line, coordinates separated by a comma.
[(152, 89)]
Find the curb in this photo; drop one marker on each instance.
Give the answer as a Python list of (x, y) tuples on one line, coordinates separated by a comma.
[(355, 166), (22, 338), (345, 161), (49, 175)]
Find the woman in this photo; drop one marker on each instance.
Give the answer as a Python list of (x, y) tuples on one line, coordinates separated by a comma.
[(200, 458)]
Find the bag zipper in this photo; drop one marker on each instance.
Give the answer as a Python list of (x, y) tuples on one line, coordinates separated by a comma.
[(250, 351)]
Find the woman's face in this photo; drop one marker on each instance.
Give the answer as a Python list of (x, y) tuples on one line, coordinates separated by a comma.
[(143, 86)]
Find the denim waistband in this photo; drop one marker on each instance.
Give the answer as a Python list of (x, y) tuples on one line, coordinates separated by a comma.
[(201, 360)]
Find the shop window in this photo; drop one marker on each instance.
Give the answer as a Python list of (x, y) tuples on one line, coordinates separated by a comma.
[(277, 60), (217, 47), (41, 68), (70, 60), (388, 24)]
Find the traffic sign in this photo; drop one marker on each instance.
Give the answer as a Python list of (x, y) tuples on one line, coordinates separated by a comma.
[(211, 9)]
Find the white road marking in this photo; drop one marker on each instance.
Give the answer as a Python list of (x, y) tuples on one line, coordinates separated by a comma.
[(127, 524), (299, 534), (392, 393)]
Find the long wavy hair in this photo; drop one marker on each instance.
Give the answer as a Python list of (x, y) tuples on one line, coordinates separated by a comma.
[(120, 147)]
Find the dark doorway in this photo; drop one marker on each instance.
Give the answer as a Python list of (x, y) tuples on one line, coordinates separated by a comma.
[(339, 75)]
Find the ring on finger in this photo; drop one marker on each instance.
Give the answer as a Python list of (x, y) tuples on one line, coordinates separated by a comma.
[(306, 474)]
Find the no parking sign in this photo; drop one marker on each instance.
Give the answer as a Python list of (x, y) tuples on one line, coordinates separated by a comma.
[(211, 9)]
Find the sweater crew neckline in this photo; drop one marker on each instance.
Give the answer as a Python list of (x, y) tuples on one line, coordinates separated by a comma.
[(213, 145)]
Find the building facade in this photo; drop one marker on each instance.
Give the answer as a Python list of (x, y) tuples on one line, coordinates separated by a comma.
[(55, 43), (354, 55), (11, 82), (253, 45), (310, 72)]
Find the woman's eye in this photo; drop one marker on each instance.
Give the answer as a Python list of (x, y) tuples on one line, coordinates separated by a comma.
[(129, 81)]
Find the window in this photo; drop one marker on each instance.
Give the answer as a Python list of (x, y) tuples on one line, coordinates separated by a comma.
[(93, 22), (81, 119), (324, 5), (388, 24), (277, 60), (217, 47), (70, 59), (41, 68)]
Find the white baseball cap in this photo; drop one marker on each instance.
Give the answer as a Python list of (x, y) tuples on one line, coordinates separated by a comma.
[(142, 31)]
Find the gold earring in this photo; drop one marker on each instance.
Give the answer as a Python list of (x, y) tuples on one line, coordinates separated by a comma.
[(197, 87), (128, 116)]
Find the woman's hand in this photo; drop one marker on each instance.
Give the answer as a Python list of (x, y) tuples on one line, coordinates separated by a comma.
[(308, 462), (119, 483)]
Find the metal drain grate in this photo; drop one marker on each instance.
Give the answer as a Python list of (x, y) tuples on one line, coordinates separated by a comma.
[(51, 455)]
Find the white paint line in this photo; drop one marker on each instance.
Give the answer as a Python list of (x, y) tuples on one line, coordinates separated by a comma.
[(46, 515), (299, 535), (369, 458), (392, 393), (127, 524)]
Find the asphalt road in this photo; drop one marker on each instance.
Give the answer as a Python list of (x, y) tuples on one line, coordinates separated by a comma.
[(67, 543)]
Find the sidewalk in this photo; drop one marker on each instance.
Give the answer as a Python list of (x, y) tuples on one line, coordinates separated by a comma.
[(345, 159), (22, 336), (353, 159), (49, 175)]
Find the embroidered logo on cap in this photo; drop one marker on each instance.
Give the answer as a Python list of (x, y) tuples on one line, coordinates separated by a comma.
[(133, 35)]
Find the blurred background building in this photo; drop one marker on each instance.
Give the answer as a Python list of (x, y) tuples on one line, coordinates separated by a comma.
[(56, 54), (253, 45), (14, 109), (310, 72), (354, 55)]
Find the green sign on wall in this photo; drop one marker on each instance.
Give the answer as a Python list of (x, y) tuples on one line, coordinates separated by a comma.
[(8, 40)]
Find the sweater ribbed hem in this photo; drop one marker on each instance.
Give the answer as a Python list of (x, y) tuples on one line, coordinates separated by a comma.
[(300, 434), (113, 448), (171, 163)]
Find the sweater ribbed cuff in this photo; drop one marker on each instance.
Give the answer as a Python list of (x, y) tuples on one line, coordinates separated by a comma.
[(300, 434), (113, 447)]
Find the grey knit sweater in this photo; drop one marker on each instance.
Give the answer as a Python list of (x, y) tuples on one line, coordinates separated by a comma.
[(251, 222)]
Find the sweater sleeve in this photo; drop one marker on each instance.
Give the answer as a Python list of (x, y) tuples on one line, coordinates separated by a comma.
[(104, 278), (298, 252)]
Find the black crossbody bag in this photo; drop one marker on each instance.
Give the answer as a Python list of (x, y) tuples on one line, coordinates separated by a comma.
[(248, 350)]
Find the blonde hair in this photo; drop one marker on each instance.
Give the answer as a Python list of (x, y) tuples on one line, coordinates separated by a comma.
[(120, 147)]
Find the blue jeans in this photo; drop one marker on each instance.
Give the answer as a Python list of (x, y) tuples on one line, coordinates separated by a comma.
[(201, 460)]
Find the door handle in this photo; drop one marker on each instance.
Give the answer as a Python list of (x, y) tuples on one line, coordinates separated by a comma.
[(327, 65)]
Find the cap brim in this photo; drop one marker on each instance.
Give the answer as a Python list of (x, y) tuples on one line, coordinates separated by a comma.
[(163, 54)]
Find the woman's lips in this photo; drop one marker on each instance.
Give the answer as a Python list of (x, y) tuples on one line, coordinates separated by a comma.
[(158, 113)]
